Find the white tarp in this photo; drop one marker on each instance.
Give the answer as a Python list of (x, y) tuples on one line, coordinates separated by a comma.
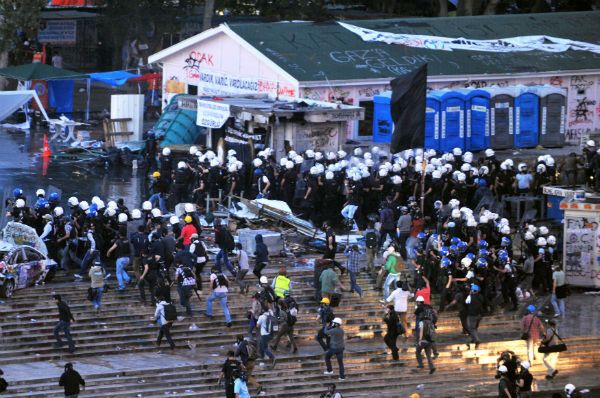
[(11, 101), (20, 234), (212, 114), (506, 45)]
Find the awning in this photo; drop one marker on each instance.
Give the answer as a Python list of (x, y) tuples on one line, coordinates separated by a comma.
[(146, 77), (116, 78), (39, 71), (11, 101)]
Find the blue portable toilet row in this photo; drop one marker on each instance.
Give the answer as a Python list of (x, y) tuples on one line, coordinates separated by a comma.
[(476, 119)]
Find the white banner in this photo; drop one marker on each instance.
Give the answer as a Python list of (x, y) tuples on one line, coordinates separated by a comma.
[(212, 114), (506, 45), (213, 83)]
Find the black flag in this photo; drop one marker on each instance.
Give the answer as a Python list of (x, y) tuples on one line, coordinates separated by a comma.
[(408, 110)]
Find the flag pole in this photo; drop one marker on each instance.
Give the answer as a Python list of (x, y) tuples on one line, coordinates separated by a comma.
[(423, 165)]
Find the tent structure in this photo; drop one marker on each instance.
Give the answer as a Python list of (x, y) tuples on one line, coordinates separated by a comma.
[(10, 101), (39, 71), (115, 78)]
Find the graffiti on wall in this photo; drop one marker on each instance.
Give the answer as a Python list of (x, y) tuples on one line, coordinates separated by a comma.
[(194, 61), (582, 100), (380, 61)]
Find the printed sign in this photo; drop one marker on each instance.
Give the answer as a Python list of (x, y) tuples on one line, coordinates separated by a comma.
[(211, 83), (581, 249), (58, 32), (212, 114), (506, 45)]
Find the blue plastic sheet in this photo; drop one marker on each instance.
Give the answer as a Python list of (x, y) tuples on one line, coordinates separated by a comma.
[(116, 78), (60, 96)]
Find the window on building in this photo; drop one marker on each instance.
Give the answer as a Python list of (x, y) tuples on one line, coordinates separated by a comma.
[(365, 127), (192, 90)]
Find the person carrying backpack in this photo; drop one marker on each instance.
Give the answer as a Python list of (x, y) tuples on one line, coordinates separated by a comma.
[(71, 381), (224, 240), (424, 342), (3, 383), (287, 320), (123, 253), (186, 284), (267, 293), (325, 315), (198, 250), (231, 367), (247, 350), (165, 314), (267, 323), (220, 289), (506, 388)]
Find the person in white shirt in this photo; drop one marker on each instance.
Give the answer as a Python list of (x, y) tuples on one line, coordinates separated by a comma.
[(243, 268), (57, 60), (266, 323), (400, 298), (219, 284)]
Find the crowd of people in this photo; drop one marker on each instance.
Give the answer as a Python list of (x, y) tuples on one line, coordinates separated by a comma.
[(433, 220)]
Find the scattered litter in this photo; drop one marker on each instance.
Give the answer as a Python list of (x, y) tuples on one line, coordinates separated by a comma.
[(193, 326), (32, 320), (189, 391), (592, 293)]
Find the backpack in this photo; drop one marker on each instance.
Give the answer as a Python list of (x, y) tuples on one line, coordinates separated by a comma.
[(327, 314), (371, 239), (272, 324), (187, 273), (268, 294), (170, 312), (428, 330), (430, 314), (251, 350), (292, 316), (220, 281), (228, 243), (3, 385)]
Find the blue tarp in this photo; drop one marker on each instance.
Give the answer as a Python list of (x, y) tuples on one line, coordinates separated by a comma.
[(60, 96), (116, 78)]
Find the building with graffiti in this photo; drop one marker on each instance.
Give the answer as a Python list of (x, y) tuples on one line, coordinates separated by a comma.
[(351, 63)]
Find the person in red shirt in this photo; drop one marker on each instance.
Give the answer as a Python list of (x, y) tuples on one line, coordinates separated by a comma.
[(424, 291), (187, 231)]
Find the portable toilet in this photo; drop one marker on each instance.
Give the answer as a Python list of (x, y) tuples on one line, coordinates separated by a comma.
[(502, 102), (553, 104), (383, 126), (527, 117), (433, 104), (477, 124), (452, 119)]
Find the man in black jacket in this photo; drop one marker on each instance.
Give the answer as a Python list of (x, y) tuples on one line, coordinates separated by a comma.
[(65, 317), (474, 312), (71, 380)]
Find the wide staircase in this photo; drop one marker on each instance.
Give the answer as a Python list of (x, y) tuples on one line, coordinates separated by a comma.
[(124, 329)]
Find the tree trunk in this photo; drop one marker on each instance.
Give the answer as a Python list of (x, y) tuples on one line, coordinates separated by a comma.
[(209, 9), (443, 5), (3, 64), (465, 7), (491, 7)]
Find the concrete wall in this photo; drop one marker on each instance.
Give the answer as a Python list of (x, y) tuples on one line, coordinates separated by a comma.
[(219, 66)]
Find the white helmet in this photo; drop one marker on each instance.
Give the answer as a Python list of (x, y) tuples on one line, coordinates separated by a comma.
[(383, 172), (461, 177), (263, 279), (289, 165), (375, 150), (83, 205), (341, 154), (503, 222), (457, 152), (215, 162), (112, 204), (257, 162), (543, 230), (489, 153), (330, 155), (569, 388), (173, 220), (483, 219), (541, 241), (368, 155), (466, 262), (122, 217), (549, 161), (505, 229), (465, 167), (96, 199), (314, 170), (358, 151), (337, 321), (166, 151), (58, 211), (551, 240), (454, 203), (147, 205), (528, 235), (189, 207), (210, 155), (309, 153), (455, 213), (232, 168), (484, 170), (318, 155), (156, 213), (522, 166), (231, 152), (100, 204), (194, 150), (136, 214), (531, 228), (540, 168), (73, 201), (396, 180), (590, 143), (110, 212), (40, 192), (329, 175), (510, 162), (467, 157), (20, 203), (369, 162), (181, 165), (471, 222), (298, 159), (436, 174)]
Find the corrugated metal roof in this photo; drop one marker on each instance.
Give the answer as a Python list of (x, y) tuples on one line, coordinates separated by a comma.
[(326, 51)]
